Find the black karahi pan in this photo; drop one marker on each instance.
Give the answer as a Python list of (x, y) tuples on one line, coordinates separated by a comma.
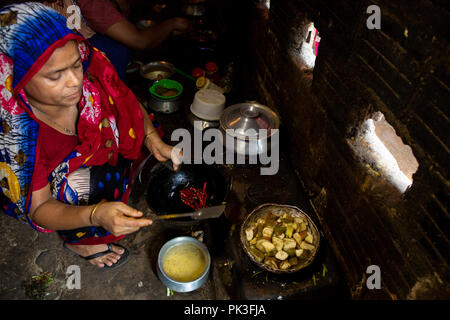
[(165, 184)]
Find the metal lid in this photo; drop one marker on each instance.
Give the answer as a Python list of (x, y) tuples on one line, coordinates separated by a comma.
[(249, 115)]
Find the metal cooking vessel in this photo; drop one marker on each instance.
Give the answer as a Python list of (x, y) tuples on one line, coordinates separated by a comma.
[(157, 70), (242, 122), (260, 212), (177, 285), (164, 185), (164, 106)]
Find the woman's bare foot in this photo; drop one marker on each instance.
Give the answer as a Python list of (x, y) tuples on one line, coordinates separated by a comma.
[(108, 259)]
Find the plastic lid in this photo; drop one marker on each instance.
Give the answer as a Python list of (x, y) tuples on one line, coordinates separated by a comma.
[(210, 96), (245, 116)]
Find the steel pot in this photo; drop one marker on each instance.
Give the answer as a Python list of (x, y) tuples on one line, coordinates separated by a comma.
[(164, 105), (242, 124), (157, 70), (177, 285)]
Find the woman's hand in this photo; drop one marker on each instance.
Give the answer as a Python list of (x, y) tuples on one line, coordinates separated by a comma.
[(119, 218), (162, 151)]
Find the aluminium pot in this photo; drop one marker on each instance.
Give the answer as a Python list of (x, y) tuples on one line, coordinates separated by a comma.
[(167, 106), (157, 70), (179, 286), (243, 123)]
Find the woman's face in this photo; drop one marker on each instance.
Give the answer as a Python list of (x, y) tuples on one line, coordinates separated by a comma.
[(60, 80)]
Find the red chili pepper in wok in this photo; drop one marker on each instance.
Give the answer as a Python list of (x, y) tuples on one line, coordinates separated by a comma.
[(194, 198)]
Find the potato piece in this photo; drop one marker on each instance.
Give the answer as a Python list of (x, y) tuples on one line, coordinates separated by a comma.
[(278, 243), (282, 236), (298, 252), (258, 255), (306, 246), (285, 265), (298, 220), (293, 261), (309, 238), (297, 238), (250, 233), (259, 245), (289, 244), (271, 262), (281, 255), (266, 245), (302, 226), (267, 232), (253, 241)]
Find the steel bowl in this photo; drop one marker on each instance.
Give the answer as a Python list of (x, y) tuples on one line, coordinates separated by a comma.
[(157, 70), (278, 209), (178, 286)]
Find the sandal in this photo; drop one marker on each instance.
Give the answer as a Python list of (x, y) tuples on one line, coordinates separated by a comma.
[(123, 258)]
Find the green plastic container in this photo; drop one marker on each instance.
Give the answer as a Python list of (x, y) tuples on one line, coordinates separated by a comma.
[(169, 84)]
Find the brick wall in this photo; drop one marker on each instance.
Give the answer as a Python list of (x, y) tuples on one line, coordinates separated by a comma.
[(400, 70)]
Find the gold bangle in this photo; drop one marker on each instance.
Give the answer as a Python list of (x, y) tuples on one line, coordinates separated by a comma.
[(149, 134), (93, 210)]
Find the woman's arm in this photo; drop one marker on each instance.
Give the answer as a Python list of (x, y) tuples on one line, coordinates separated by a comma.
[(116, 217), (128, 34)]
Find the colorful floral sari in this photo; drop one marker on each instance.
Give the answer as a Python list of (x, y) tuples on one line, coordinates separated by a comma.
[(110, 126)]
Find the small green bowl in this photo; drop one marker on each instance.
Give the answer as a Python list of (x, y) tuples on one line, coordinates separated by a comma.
[(169, 84)]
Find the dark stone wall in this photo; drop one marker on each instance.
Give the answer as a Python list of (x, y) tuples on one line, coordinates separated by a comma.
[(401, 70)]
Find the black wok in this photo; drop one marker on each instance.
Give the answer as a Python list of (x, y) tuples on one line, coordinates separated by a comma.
[(164, 186)]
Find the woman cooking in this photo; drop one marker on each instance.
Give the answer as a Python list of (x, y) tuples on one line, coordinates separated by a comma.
[(71, 136)]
